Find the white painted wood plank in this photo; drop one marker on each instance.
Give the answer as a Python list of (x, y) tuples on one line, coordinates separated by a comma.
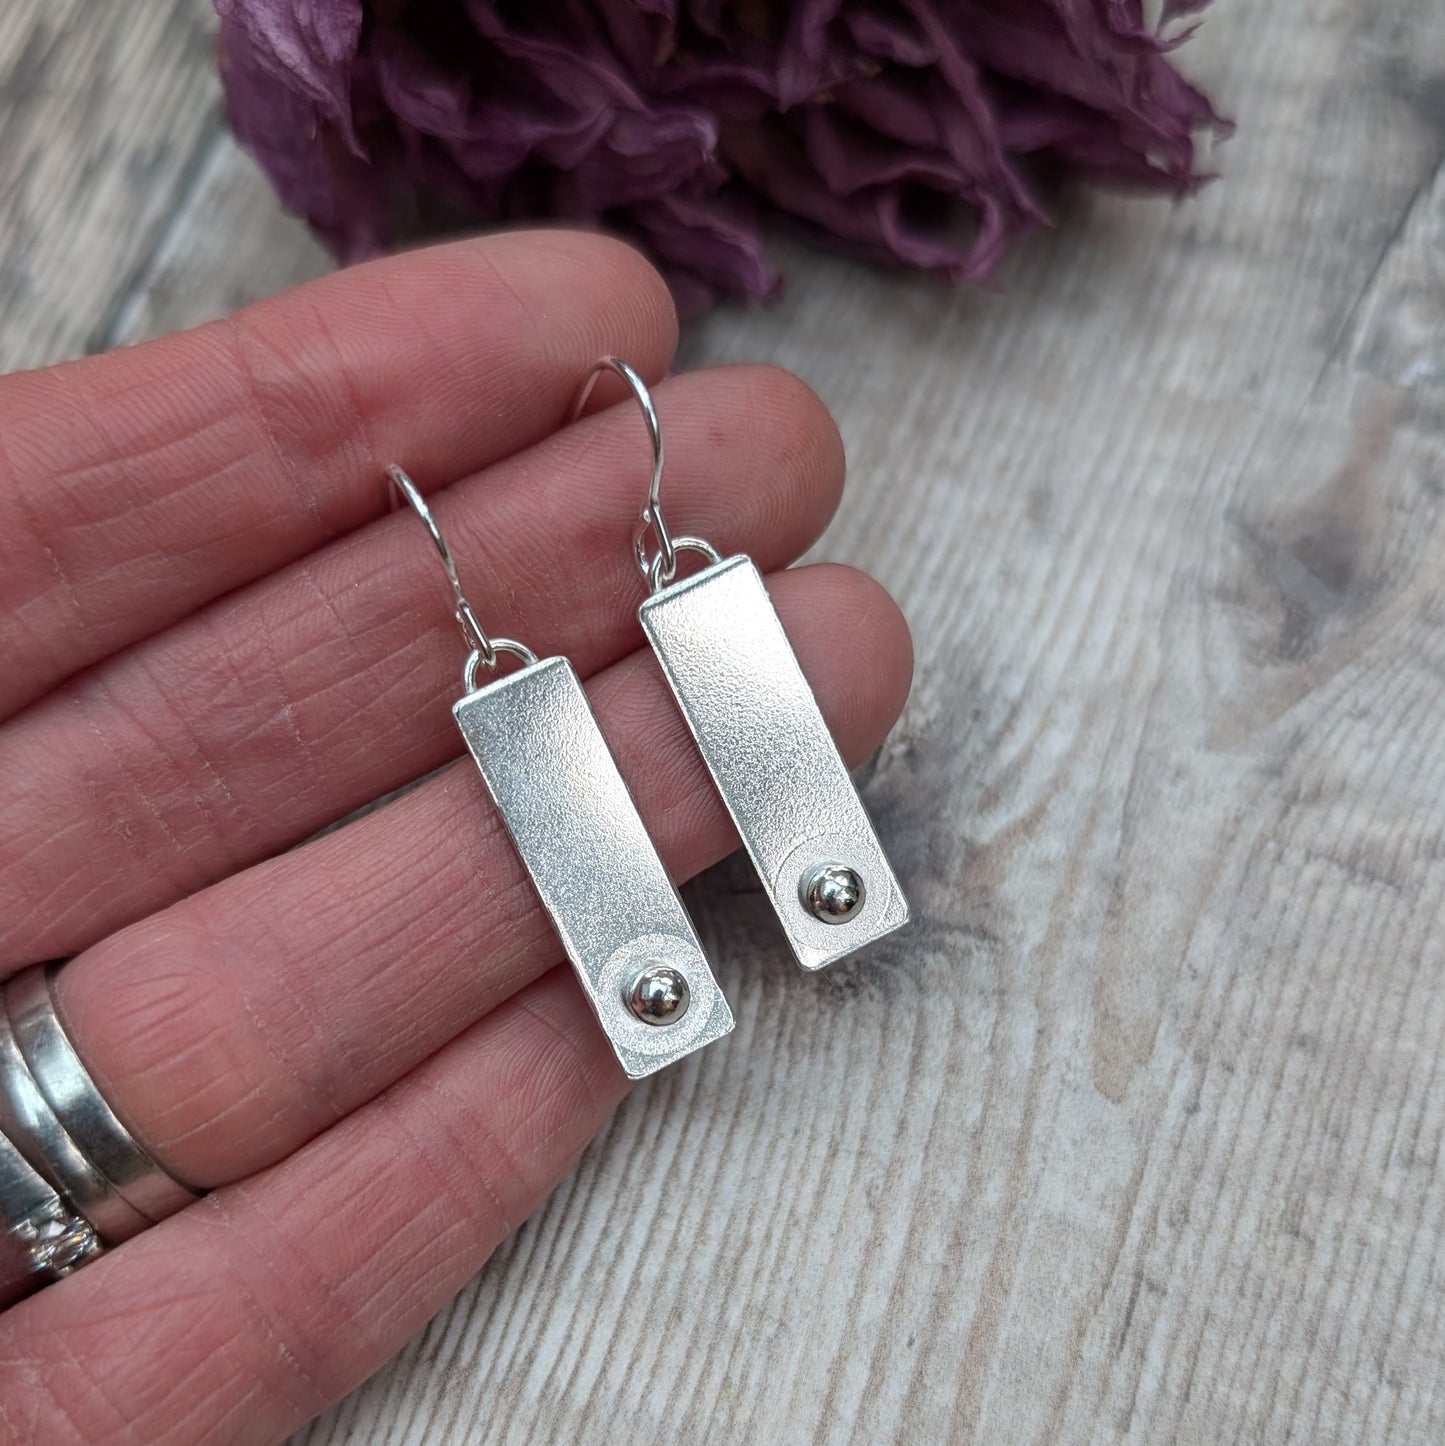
[(103, 111)]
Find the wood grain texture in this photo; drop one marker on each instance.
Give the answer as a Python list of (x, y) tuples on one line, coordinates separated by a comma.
[(125, 208), (1136, 1135)]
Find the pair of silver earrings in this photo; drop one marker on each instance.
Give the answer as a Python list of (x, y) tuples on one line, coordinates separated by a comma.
[(758, 728)]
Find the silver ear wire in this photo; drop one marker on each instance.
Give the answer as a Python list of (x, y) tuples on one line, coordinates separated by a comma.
[(659, 568), (482, 649), (665, 563)]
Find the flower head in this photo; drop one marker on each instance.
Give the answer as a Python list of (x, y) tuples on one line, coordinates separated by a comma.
[(904, 130)]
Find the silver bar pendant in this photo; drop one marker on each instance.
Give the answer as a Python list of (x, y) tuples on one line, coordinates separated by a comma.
[(574, 823), (759, 730)]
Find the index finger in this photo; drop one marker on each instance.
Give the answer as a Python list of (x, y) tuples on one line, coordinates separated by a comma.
[(137, 486)]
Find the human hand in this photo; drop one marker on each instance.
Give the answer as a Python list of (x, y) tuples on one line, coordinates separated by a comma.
[(217, 642)]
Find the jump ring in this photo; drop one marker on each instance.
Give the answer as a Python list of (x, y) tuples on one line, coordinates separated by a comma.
[(476, 660), (657, 575)]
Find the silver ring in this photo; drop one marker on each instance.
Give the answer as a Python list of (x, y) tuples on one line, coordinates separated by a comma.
[(41, 1238), (34, 1130), (80, 1107)]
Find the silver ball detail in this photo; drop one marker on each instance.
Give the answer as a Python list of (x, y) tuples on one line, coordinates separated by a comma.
[(833, 893), (659, 996)]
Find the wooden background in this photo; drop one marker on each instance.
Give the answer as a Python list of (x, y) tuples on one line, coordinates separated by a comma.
[(1136, 1135)]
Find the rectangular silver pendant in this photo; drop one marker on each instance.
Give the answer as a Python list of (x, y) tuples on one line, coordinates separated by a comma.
[(574, 823), (759, 730)]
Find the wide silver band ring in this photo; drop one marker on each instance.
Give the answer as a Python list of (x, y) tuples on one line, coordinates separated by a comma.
[(35, 1130), (80, 1107), (72, 1177)]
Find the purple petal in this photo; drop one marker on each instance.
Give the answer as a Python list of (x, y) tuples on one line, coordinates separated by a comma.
[(899, 129), (309, 46)]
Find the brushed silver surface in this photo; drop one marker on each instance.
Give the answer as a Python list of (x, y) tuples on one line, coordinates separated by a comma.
[(548, 767), (759, 730)]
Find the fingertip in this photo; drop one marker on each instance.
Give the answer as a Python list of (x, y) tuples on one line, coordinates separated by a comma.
[(538, 1072), (515, 316), (855, 648), (648, 298), (755, 460), (811, 464), (574, 1074), (623, 307)]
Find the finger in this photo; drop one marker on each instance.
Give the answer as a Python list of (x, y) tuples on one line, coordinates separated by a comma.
[(246, 1315), (137, 486), (234, 1026), (288, 705)]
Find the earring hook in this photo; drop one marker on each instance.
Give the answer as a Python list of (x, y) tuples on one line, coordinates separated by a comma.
[(482, 649), (665, 563), (661, 568)]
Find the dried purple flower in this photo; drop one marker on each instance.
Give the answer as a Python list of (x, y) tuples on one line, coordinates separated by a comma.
[(684, 123)]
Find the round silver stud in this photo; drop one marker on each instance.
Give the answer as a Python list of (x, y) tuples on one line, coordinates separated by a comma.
[(659, 996), (833, 893)]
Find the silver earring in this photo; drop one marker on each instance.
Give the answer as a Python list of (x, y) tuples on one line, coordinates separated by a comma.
[(759, 730), (569, 813)]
